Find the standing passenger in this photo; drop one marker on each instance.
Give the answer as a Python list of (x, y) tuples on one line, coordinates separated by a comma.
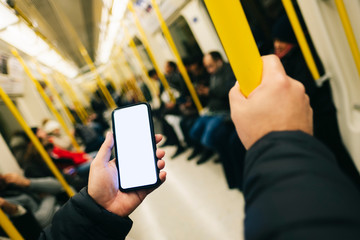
[(326, 127)]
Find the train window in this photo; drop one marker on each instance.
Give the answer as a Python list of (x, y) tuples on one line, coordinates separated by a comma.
[(184, 38), (3, 64), (143, 53)]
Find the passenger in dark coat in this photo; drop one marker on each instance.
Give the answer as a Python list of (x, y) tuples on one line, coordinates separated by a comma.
[(293, 186), (326, 127)]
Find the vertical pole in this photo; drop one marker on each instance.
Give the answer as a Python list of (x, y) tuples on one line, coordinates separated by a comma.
[(238, 42), (77, 105), (132, 79), (36, 142), (151, 85), (55, 93), (150, 53), (8, 227), (110, 101), (46, 100), (349, 32), (299, 33), (84, 53), (179, 61)]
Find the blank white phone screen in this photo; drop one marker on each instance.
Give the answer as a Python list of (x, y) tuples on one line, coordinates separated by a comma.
[(135, 153)]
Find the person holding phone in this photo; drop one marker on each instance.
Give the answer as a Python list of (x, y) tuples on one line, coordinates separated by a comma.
[(293, 187)]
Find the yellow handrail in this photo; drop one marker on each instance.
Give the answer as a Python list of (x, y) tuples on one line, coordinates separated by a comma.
[(235, 34), (150, 53), (110, 101), (349, 32), (8, 227), (55, 93), (77, 105), (36, 142), (84, 53), (179, 61), (46, 99), (136, 88), (300, 36), (148, 81)]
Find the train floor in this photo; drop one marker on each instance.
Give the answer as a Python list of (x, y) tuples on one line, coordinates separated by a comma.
[(193, 203)]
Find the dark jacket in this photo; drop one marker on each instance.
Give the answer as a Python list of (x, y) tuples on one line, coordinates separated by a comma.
[(81, 218), (220, 84), (294, 189)]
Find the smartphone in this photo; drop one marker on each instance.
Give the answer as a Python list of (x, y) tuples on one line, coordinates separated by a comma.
[(135, 147)]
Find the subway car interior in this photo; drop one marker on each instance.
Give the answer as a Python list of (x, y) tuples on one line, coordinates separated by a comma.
[(66, 65)]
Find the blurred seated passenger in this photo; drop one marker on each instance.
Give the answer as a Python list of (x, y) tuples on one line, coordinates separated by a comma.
[(326, 127), (37, 195), (35, 167), (89, 136), (56, 136), (170, 113), (99, 107), (205, 129)]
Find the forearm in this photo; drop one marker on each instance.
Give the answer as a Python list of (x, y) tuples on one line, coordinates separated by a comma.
[(293, 187), (82, 218), (45, 185)]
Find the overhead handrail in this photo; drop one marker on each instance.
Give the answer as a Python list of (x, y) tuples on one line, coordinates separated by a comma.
[(9, 227), (349, 32), (236, 37), (150, 53), (179, 61), (37, 144), (46, 99), (54, 92), (300, 36)]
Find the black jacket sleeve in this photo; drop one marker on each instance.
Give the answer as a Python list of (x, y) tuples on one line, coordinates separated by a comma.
[(82, 218), (294, 189)]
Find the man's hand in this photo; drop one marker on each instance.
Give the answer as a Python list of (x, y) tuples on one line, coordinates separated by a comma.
[(103, 181), (278, 104), (18, 180)]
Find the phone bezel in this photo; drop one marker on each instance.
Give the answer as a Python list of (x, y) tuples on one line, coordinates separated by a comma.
[(153, 144)]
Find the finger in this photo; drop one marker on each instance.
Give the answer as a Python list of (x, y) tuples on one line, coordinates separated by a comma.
[(160, 153), (161, 164), (158, 138), (235, 95), (162, 176), (273, 68), (104, 153)]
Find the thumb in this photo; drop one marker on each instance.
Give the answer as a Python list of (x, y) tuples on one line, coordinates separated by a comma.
[(104, 154)]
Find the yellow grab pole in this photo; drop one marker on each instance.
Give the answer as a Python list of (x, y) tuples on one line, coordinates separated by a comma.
[(110, 101), (179, 61), (349, 32), (84, 53), (75, 97), (236, 37), (300, 36), (77, 105), (8, 227), (55, 93), (151, 85), (136, 88), (46, 100), (36, 142), (150, 53)]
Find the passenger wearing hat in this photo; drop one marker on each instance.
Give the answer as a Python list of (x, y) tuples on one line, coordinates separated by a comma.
[(326, 127), (52, 129)]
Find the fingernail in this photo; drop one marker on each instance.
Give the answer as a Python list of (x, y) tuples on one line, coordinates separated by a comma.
[(108, 134)]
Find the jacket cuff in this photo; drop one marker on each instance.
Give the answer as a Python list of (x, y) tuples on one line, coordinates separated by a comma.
[(108, 222)]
